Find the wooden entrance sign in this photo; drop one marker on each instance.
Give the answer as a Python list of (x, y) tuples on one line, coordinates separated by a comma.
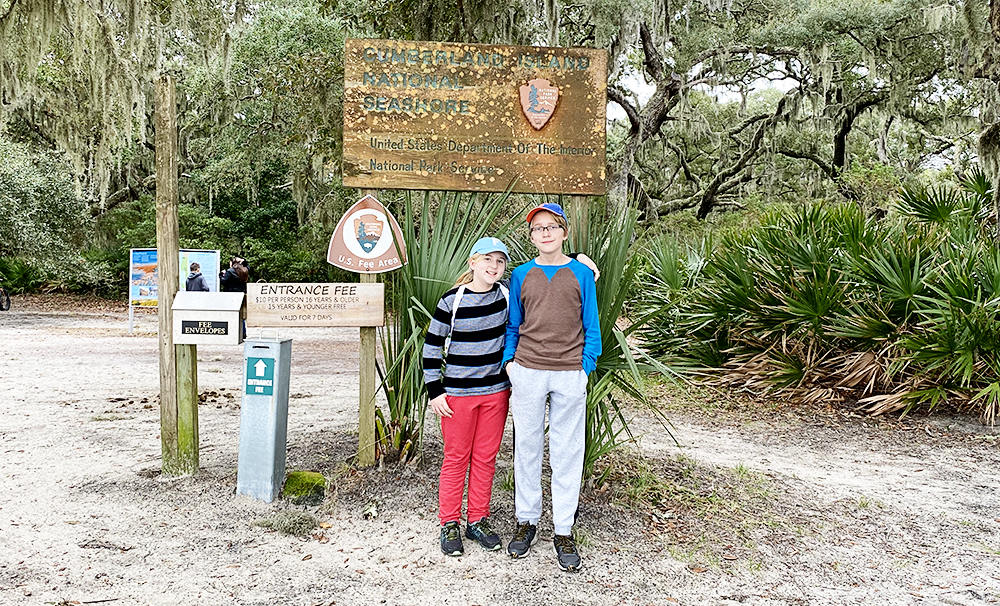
[(474, 117), (300, 304)]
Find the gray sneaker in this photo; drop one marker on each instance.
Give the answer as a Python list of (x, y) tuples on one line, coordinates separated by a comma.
[(484, 534), (566, 554), (451, 539), (525, 535)]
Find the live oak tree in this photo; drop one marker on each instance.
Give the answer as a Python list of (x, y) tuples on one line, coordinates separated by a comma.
[(78, 75), (259, 110), (837, 62)]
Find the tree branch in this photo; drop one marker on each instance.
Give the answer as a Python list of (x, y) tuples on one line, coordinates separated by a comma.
[(738, 129), (616, 95), (682, 160), (738, 172), (658, 109), (811, 156), (715, 185), (652, 59), (744, 50)]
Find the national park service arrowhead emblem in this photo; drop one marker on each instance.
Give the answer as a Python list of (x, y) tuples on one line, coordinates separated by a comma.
[(368, 230), (538, 101), (367, 239)]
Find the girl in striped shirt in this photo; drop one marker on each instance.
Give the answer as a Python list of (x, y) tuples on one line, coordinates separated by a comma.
[(470, 392)]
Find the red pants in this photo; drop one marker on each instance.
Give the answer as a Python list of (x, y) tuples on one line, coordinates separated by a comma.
[(471, 441)]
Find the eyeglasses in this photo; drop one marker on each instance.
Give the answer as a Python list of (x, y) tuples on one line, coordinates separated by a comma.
[(545, 229)]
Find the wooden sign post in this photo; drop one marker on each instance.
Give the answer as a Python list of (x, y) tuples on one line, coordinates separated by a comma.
[(367, 387), (367, 241), (178, 363)]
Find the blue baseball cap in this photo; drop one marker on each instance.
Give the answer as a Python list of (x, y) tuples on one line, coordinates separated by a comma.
[(488, 245), (555, 209)]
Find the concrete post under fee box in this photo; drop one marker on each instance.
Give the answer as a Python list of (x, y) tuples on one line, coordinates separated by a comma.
[(264, 418)]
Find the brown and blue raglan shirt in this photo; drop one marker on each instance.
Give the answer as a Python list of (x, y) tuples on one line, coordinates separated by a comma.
[(553, 322)]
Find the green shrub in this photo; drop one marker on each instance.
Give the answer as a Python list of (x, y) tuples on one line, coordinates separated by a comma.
[(42, 219), (19, 277), (827, 303)]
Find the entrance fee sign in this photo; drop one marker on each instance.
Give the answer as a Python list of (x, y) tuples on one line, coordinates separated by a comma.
[(315, 304), (474, 117), (260, 377)]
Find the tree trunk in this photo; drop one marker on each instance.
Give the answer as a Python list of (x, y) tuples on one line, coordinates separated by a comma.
[(849, 114)]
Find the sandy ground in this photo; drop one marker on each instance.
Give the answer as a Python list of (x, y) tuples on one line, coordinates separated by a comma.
[(849, 510)]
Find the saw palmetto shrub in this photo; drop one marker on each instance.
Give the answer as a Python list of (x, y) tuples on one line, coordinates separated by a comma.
[(823, 303)]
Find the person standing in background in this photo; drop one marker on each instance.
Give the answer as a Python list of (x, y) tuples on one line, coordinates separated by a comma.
[(235, 278), (196, 281)]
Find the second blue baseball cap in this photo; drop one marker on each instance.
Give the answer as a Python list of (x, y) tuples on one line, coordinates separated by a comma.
[(488, 245), (555, 209)]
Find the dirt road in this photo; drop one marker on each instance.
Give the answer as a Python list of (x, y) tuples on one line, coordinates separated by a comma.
[(814, 508)]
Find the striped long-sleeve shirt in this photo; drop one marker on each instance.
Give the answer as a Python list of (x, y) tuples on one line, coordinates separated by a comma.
[(473, 367)]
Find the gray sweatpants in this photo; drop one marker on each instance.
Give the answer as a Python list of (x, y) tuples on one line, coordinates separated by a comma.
[(566, 391)]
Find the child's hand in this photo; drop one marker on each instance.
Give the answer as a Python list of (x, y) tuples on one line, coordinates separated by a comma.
[(440, 406), (582, 258)]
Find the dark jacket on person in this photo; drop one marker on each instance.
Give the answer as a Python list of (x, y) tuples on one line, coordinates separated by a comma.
[(196, 281), (234, 279)]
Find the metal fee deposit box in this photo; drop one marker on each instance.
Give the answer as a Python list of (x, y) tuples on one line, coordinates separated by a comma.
[(264, 418), (208, 318)]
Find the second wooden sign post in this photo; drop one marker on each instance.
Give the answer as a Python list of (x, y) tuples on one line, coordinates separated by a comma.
[(367, 241)]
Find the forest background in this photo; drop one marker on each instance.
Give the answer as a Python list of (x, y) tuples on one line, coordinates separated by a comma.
[(800, 193)]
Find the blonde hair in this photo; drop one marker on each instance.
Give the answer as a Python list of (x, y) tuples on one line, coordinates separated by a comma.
[(466, 277)]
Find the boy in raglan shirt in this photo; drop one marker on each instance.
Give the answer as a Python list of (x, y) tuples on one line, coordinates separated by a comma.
[(553, 342)]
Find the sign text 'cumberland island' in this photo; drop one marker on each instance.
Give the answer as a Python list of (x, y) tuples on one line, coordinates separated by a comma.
[(474, 117)]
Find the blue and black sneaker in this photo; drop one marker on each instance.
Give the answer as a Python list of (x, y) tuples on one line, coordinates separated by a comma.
[(525, 536), (451, 539), (566, 554), (484, 534)]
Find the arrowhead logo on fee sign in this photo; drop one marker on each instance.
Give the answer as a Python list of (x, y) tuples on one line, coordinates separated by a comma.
[(260, 376)]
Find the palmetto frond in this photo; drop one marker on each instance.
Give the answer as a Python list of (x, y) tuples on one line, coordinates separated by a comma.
[(937, 205)]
